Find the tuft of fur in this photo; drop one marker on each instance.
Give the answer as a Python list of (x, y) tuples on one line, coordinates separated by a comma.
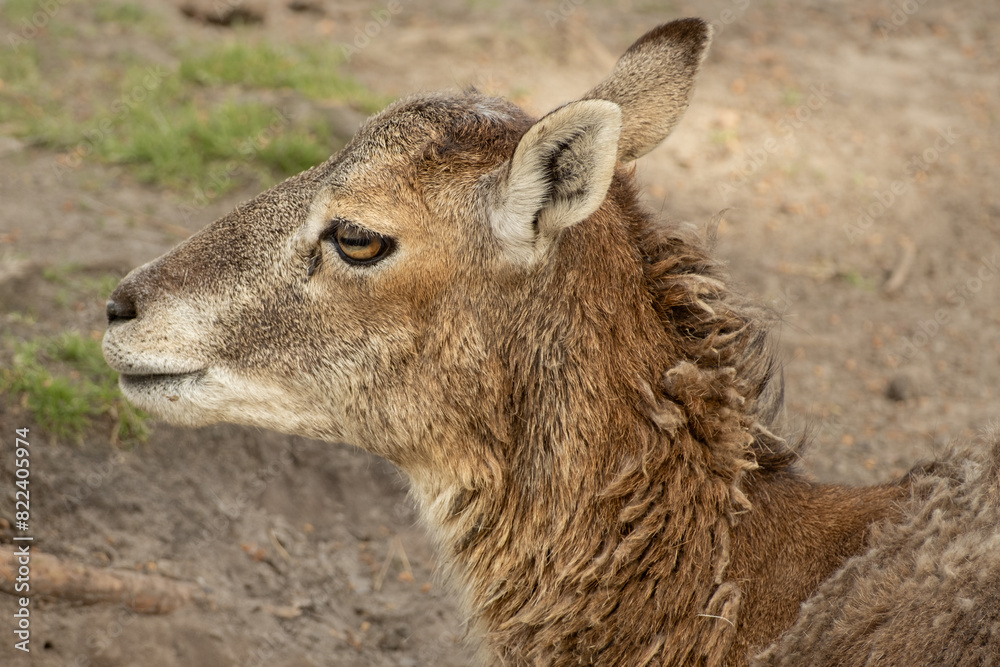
[(927, 592)]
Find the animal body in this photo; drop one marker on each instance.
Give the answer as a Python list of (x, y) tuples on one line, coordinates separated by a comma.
[(583, 407)]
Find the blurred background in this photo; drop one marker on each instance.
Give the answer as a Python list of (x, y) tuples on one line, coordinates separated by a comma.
[(854, 148)]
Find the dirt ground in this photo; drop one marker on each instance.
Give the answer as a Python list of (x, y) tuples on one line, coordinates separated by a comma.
[(855, 149)]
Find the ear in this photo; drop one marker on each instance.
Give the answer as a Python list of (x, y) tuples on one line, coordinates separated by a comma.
[(652, 83), (558, 176)]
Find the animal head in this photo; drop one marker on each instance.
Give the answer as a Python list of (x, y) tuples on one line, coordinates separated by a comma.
[(455, 257)]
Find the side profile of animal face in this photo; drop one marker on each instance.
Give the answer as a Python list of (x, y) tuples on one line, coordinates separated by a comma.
[(394, 292)]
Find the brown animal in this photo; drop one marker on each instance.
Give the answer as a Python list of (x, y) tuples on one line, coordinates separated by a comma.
[(582, 406)]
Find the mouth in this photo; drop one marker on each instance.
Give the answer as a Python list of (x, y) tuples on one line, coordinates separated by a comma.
[(144, 382)]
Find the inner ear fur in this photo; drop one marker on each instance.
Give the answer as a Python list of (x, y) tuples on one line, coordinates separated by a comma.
[(559, 175)]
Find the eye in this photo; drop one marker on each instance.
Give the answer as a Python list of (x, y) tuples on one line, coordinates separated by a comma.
[(357, 245)]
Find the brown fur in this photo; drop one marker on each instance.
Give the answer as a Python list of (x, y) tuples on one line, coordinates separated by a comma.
[(674, 552), (583, 407), (927, 592)]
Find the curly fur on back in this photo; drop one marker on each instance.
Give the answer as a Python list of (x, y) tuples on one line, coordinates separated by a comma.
[(927, 592)]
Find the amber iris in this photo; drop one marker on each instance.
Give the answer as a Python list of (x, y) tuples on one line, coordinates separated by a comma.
[(359, 245)]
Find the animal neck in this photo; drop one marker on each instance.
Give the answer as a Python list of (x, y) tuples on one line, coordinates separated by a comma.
[(601, 527), (627, 556), (677, 556)]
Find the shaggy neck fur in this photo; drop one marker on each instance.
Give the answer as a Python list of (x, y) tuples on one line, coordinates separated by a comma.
[(604, 532)]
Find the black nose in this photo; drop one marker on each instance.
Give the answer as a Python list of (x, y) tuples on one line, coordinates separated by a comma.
[(121, 306)]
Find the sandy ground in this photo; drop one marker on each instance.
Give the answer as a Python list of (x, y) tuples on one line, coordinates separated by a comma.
[(839, 137)]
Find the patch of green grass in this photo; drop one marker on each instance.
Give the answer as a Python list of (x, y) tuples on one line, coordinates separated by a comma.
[(23, 106), (19, 64), (63, 380), (115, 12), (20, 76), (182, 140), (19, 10), (311, 72), (197, 128), (187, 143), (66, 384)]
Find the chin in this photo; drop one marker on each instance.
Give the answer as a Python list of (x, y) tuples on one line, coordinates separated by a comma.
[(176, 398)]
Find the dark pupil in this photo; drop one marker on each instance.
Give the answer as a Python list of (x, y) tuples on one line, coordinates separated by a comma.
[(354, 240)]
